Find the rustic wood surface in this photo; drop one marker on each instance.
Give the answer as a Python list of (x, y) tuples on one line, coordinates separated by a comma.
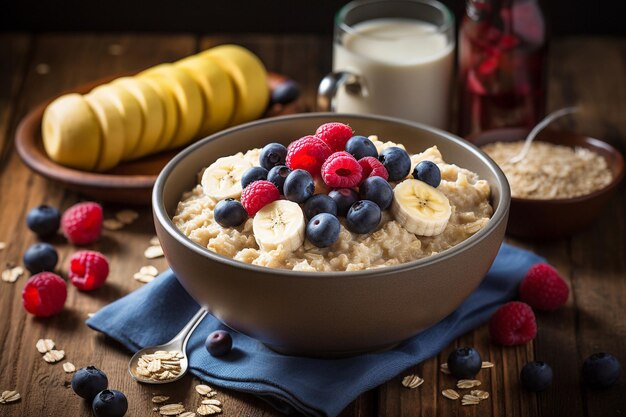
[(35, 67)]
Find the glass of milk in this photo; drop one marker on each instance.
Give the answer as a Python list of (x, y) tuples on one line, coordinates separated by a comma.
[(392, 57)]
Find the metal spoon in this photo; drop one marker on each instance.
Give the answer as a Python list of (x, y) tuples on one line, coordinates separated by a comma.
[(178, 343), (538, 128)]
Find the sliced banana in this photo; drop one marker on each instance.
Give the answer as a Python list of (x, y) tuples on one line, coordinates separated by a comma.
[(112, 128), (280, 223), (170, 120), (420, 208), (222, 179), (71, 133)]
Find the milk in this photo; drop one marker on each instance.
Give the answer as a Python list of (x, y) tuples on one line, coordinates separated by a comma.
[(406, 66)]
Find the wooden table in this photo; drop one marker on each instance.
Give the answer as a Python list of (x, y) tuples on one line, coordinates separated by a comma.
[(35, 67)]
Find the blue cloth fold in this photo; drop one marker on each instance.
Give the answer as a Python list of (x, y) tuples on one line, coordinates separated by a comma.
[(318, 387)]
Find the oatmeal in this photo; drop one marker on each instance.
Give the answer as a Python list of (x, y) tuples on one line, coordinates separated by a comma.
[(390, 243), (550, 171)]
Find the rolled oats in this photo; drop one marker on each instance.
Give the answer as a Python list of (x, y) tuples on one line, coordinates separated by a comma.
[(3, 246), (153, 252), (483, 395), (112, 224), (550, 171), (154, 241), (69, 367), (160, 365), (44, 345), (12, 274), (212, 402), (187, 414), (54, 356), (451, 394), (208, 409), (487, 364), (412, 381), (149, 270), (203, 389), (126, 216), (444, 368), (9, 396), (158, 399), (467, 383), (171, 409)]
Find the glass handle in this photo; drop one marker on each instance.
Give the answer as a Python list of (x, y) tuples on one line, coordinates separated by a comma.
[(331, 83)]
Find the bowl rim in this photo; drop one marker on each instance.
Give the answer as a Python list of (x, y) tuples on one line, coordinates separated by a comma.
[(161, 216), (595, 142)]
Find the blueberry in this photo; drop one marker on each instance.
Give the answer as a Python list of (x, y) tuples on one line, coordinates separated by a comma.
[(40, 257), (277, 176), (319, 203), (397, 162), (363, 216), (219, 343), (464, 363), (360, 147), (378, 190), (536, 376), (323, 230), (601, 370), (285, 92), (43, 220), (428, 172), (345, 198), (110, 403), (299, 186), (271, 155), (89, 381), (230, 213), (253, 174)]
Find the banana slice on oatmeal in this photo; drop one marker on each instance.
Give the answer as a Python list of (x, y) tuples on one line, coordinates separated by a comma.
[(222, 179), (420, 208), (280, 223)]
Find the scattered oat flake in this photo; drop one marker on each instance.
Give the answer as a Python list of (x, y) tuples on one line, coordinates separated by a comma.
[(483, 395), (171, 409), (149, 270), (487, 365), (467, 383), (208, 409), (54, 356), (444, 368), (451, 394), (3, 245), (212, 402), (160, 365), (187, 414), (154, 241), (412, 381), (44, 345), (468, 402), (69, 367), (12, 274), (203, 389), (143, 278), (470, 397), (153, 252), (112, 224), (158, 399), (126, 216), (90, 315), (9, 397)]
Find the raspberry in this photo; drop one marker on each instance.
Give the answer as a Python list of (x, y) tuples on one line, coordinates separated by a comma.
[(543, 288), (258, 195), (82, 223), (308, 153), (335, 135), (88, 270), (44, 294), (513, 324), (372, 167), (341, 170)]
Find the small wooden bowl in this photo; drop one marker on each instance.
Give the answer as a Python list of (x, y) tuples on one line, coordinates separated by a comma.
[(130, 182), (557, 218)]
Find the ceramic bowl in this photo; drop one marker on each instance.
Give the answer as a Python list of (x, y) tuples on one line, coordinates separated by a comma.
[(557, 218), (328, 314)]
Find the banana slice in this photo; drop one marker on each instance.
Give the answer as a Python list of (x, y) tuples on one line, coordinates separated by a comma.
[(112, 128), (420, 208), (188, 99), (71, 134), (152, 110), (249, 79), (222, 179), (132, 117), (217, 90), (170, 120), (280, 223)]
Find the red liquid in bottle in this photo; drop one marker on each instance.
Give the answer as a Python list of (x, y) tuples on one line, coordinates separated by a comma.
[(501, 65)]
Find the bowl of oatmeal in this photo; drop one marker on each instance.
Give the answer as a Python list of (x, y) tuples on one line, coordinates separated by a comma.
[(561, 186), (367, 290)]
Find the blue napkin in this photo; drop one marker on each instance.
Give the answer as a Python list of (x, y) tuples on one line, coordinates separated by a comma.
[(318, 387)]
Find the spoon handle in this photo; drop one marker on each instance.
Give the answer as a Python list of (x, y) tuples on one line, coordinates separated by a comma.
[(189, 328), (538, 128)]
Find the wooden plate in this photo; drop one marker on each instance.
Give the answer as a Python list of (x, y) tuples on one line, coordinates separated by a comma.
[(130, 182)]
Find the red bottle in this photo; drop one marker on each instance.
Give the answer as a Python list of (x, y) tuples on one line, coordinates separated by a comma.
[(502, 65)]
